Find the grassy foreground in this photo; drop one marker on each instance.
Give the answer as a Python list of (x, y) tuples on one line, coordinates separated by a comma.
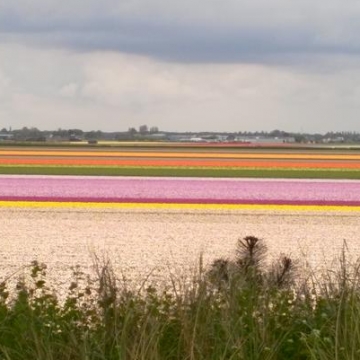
[(234, 310), (181, 172)]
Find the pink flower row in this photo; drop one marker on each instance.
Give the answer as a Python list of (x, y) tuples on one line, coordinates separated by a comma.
[(182, 190)]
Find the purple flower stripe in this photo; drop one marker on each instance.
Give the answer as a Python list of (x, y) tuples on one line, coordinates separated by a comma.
[(219, 191)]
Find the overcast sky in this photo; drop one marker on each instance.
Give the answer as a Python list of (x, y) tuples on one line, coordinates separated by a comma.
[(189, 65)]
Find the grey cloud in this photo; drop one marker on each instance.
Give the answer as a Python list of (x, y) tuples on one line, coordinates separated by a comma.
[(174, 42), (197, 38)]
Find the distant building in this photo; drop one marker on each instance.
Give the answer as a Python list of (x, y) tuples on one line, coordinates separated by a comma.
[(6, 136), (157, 136), (264, 139), (196, 139)]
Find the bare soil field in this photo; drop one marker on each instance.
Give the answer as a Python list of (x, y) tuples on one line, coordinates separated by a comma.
[(159, 243)]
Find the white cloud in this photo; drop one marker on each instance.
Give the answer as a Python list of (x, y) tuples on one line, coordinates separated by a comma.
[(69, 90), (117, 79), (111, 91), (4, 83)]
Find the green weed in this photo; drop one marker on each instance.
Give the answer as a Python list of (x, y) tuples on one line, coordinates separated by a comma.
[(239, 308)]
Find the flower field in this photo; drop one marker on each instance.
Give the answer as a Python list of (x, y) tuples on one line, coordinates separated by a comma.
[(183, 161), (179, 191), (183, 202)]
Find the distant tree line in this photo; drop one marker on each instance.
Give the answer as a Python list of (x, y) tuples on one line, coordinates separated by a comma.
[(145, 132)]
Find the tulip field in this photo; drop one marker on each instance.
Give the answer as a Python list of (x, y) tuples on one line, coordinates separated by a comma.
[(198, 192), (183, 161), (156, 209)]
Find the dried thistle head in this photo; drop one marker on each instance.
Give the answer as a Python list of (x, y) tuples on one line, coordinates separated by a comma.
[(282, 272), (251, 252)]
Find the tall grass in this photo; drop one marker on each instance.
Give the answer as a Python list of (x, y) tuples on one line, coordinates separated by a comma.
[(240, 308)]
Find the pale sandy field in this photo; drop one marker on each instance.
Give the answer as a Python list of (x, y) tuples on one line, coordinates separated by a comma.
[(161, 242)]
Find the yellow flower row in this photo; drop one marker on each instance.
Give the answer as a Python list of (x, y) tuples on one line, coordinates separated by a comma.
[(161, 206)]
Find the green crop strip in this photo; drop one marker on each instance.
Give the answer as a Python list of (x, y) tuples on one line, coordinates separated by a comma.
[(182, 172)]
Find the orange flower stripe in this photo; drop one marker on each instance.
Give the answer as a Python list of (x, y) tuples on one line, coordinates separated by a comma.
[(179, 163), (192, 155)]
